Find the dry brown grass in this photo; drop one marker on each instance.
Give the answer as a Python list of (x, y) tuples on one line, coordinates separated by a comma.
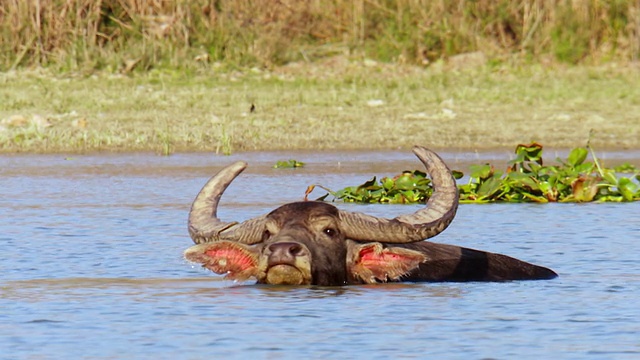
[(127, 35)]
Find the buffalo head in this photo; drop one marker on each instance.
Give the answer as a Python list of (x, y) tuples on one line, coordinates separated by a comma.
[(314, 242)]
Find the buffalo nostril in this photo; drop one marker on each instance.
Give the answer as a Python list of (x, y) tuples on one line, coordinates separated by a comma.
[(296, 250), (288, 249)]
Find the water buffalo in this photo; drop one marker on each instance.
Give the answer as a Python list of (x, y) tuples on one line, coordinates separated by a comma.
[(315, 243)]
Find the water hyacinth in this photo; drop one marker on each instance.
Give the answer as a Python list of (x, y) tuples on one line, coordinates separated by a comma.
[(288, 164), (526, 179)]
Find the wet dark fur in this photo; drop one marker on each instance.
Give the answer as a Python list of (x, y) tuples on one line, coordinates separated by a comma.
[(454, 263)]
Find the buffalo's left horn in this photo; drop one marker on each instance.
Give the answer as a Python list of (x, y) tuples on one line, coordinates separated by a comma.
[(423, 224), (204, 225)]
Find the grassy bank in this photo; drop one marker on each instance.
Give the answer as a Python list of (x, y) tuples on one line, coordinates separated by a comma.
[(339, 103), (126, 35), (167, 76)]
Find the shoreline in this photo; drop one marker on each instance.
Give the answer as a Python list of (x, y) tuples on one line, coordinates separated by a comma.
[(495, 155)]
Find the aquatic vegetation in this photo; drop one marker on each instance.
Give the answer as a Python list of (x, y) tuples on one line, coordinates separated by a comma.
[(626, 168), (288, 164), (526, 179)]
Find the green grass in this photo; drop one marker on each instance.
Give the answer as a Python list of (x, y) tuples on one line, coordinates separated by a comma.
[(338, 104)]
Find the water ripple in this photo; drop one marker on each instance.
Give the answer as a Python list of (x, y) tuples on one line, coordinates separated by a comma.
[(92, 267)]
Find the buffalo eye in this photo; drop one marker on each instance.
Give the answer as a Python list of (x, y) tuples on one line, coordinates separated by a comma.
[(331, 232), (266, 235)]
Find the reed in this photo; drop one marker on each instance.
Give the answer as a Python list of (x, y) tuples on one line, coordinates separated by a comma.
[(134, 35)]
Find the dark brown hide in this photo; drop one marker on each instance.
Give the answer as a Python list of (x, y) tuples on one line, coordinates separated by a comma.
[(453, 263)]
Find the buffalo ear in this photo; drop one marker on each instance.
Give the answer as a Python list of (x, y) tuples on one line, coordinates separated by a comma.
[(371, 262), (236, 261)]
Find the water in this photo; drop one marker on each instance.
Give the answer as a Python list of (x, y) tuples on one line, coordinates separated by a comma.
[(91, 268)]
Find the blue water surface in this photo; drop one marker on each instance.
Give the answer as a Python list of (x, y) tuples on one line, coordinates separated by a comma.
[(92, 268)]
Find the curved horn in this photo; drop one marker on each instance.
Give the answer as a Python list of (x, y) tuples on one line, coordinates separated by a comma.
[(424, 223), (204, 225)]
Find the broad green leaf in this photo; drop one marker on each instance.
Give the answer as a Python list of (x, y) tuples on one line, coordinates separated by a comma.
[(577, 156), (410, 196), (387, 183), (490, 186), (610, 177), (405, 182), (481, 171), (584, 168), (627, 188), (520, 156), (523, 180), (535, 168)]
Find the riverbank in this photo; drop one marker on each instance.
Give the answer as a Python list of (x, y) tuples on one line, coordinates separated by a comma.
[(338, 103)]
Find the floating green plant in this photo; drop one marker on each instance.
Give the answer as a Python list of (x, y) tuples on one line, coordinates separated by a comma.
[(288, 164), (626, 168), (526, 179)]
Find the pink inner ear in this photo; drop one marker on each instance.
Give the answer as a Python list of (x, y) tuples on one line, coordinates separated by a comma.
[(368, 257), (385, 264), (228, 259)]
